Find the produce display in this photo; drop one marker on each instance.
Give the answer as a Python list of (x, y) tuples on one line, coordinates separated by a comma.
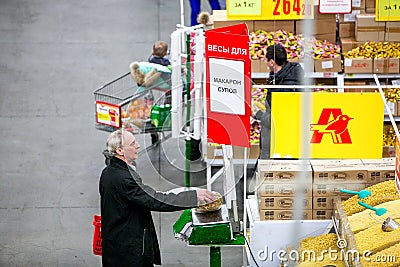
[(136, 112), (258, 97), (139, 109), (392, 94), (317, 244), (362, 220), (375, 50), (260, 40), (312, 251), (324, 262), (294, 44), (324, 49), (390, 258), (374, 239), (380, 193), (376, 245), (370, 234), (389, 136), (255, 129)]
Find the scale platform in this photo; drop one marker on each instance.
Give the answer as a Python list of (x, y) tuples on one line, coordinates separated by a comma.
[(210, 218), (204, 228)]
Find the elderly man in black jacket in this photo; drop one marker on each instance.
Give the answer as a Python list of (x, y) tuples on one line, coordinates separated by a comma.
[(128, 234)]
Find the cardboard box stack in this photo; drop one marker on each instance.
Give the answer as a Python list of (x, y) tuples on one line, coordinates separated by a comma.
[(348, 44), (357, 83), (214, 151), (219, 18), (329, 177), (277, 187), (259, 66), (370, 6), (368, 29), (392, 31), (347, 26), (324, 26), (358, 65), (328, 65), (273, 26), (379, 170), (386, 65)]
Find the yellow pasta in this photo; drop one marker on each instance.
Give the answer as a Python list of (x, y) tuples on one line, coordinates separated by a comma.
[(380, 193), (374, 239), (389, 257), (325, 262), (364, 219), (318, 243)]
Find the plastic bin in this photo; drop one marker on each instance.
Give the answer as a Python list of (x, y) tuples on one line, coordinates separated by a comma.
[(97, 235)]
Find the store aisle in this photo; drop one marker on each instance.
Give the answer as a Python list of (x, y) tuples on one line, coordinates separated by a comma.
[(53, 55)]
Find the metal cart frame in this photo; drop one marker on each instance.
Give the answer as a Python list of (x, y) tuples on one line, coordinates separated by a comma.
[(113, 99)]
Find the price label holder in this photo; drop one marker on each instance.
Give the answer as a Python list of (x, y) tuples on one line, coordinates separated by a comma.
[(269, 9), (387, 10), (334, 6), (244, 7)]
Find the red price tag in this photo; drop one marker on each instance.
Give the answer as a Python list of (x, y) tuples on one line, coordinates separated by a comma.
[(270, 9), (290, 10)]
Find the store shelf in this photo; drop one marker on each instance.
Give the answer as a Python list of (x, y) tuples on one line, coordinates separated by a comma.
[(265, 75), (370, 76), (262, 75), (220, 162), (387, 119)]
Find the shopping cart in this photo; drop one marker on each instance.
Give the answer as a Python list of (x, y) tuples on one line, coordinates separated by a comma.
[(121, 103)]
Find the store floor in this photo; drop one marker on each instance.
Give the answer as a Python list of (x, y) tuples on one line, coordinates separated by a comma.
[(53, 55)]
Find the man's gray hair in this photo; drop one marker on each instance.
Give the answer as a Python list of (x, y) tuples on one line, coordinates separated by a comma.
[(114, 141)]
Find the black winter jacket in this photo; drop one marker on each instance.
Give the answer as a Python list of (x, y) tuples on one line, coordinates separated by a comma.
[(128, 231), (291, 74)]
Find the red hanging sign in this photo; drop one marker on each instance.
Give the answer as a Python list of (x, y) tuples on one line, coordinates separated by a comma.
[(228, 85)]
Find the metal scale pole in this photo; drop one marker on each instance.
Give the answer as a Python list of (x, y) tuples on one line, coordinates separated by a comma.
[(188, 103), (215, 252)]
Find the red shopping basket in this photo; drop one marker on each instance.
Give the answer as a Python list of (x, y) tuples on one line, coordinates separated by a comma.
[(97, 235)]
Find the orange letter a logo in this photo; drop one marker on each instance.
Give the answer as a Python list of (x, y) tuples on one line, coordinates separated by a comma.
[(336, 128)]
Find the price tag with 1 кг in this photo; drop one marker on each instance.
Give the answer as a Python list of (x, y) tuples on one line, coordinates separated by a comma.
[(387, 10), (244, 7)]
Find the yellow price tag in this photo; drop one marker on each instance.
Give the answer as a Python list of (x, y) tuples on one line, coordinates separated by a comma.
[(103, 117), (244, 7), (387, 10)]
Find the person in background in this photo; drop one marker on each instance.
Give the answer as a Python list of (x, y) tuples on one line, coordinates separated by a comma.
[(282, 72), (160, 51), (128, 234), (222, 4), (159, 56), (195, 9)]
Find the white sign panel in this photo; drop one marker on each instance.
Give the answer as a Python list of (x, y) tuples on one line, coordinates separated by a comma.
[(334, 6), (227, 86)]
